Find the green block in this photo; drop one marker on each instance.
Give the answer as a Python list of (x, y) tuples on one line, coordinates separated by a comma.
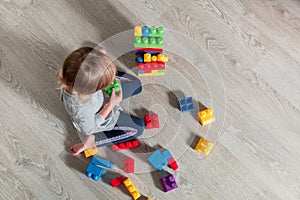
[(141, 42), (115, 85), (161, 71), (156, 32), (156, 43)]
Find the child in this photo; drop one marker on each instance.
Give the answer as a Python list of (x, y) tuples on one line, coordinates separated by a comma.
[(97, 117)]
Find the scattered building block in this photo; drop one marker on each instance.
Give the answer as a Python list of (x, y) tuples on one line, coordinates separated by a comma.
[(159, 160), (125, 145), (129, 165), (90, 152), (131, 188), (117, 181), (169, 183), (102, 162), (151, 121), (206, 116), (186, 104), (94, 172), (204, 146), (172, 163)]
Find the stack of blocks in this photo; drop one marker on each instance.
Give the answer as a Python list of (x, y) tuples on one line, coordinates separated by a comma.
[(148, 44)]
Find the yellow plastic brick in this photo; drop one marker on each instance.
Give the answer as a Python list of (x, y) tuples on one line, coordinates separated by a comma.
[(204, 146), (90, 152), (206, 116), (138, 31), (131, 189), (147, 57)]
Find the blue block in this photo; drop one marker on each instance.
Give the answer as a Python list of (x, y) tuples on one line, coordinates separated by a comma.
[(102, 162), (94, 172), (158, 160), (167, 155), (186, 104), (140, 59), (141, 72), (145, 31)]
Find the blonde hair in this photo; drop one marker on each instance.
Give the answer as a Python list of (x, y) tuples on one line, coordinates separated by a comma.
[(86, 70)]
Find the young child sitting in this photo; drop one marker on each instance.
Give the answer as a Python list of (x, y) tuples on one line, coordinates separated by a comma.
[(97, 117)]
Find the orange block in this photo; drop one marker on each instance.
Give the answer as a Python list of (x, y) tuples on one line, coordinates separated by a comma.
[(90, 152), (206, 116), (204, 146)]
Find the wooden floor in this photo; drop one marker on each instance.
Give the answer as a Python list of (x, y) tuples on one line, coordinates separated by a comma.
[(246, 66)]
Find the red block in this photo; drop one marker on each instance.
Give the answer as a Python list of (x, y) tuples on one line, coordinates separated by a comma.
[(129, 165), (125, 145), (158, 50), (148, 67), (151, 121), (172, 163), (117, 181)]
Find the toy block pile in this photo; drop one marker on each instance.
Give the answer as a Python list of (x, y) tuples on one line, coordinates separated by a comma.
[(148, 44)]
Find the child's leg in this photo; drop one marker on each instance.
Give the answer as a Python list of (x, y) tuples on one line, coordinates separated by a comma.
[(127, 128), (131, 85)]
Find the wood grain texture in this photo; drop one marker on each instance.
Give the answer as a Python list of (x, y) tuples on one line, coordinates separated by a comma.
[(253, 46)]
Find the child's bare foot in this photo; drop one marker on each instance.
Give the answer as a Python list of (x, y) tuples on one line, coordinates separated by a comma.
[(80, 147)]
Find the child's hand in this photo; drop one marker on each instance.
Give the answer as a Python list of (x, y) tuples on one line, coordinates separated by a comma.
[(116, 97), (80, 147)]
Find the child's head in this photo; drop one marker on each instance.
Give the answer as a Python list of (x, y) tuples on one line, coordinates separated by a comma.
[(86, 71)]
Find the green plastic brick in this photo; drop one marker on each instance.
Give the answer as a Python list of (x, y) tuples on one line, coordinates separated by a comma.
[(141, 42), (156, 32)]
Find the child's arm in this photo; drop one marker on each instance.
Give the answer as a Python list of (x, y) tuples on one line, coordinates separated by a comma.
[(114, 100)]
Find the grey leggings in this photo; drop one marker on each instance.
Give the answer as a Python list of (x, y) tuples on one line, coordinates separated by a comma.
[(127, 127)]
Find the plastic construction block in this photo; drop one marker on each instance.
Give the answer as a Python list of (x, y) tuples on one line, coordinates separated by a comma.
[(204, 146), (90, 152), (131, 188), (141, 74), (156, 42), (129, 165), (94, 172), (172, 163), (145, 42), (186, 104), (169, 183), (206, 116), (162, 58), (137, 31), (102, 162), (147, 57), (140, 50), (156, 32), (151, 121), (139, 59), (117, 181), (125, 145), (155, 58), (115, 85), (148, 67), (145, 31), (159, 160)]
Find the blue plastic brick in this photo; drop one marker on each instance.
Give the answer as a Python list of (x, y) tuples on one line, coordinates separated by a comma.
[(140, 59), (159, 160), (141, 72), (94, 172), (167, 154), (145, 31), (102, 162), (186, 104)]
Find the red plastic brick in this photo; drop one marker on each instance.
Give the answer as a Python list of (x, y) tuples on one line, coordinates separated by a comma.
[(125, 145), (129, 165), (148, 67), (172, 163), (158, 50), (151, 121), (117, 181)]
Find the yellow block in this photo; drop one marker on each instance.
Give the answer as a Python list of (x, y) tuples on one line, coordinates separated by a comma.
[(162, 58), (131, 188), (138, 31), (206, 116), (151, 74), (147, 57), (90, 152), (204, 146), (154, 58)]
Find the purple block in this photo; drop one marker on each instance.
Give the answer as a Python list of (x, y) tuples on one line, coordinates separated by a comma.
[(169, 183)]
